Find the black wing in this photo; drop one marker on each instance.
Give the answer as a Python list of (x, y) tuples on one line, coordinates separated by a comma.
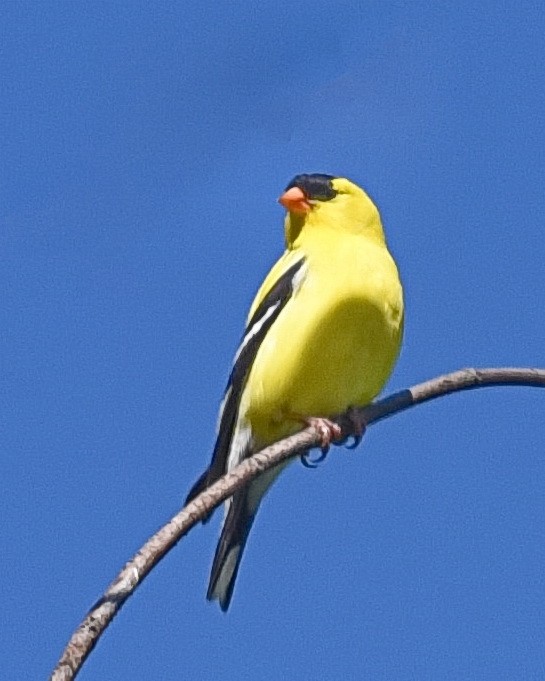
[(256, 330)]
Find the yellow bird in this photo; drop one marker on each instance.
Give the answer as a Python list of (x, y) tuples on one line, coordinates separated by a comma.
[(322, 335)]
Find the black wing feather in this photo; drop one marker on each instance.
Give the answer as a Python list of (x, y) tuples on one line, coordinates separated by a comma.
[(256, 330)]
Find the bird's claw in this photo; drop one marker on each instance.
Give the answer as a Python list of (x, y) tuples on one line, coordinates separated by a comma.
[(359, 426), (356, 440), (309, 462)]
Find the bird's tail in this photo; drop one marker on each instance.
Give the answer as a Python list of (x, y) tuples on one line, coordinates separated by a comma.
[(205, 480), (235, 531), (211, 475)]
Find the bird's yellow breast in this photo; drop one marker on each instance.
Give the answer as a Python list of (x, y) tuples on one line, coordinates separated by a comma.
[(334, 344)]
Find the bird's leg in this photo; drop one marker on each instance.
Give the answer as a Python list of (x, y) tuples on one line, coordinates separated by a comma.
[(328, 432), (358, 424)]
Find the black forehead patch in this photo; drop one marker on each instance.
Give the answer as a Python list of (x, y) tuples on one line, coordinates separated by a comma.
[(316, 186)]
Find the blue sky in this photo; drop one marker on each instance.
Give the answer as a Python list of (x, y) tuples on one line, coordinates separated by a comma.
[(143, 148)]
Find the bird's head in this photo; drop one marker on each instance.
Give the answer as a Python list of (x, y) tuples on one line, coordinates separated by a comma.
[(317, 201)]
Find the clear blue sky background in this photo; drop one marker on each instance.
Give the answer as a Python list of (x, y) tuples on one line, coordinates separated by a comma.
[(143, 146)]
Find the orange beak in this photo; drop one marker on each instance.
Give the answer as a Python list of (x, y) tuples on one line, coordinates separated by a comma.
[(295, 201)]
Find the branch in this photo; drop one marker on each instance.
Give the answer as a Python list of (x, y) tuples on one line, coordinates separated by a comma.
[(102, 613)]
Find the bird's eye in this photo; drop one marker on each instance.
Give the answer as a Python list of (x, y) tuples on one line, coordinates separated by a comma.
[(323, 197)]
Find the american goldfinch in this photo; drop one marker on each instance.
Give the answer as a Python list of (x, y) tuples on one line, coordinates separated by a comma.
[(322, 335)]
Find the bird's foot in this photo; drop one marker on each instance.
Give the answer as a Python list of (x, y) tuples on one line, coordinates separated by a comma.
[(327, 430), (358, 425)]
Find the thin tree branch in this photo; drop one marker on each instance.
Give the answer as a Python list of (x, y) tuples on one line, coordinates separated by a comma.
[(102, 613)]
